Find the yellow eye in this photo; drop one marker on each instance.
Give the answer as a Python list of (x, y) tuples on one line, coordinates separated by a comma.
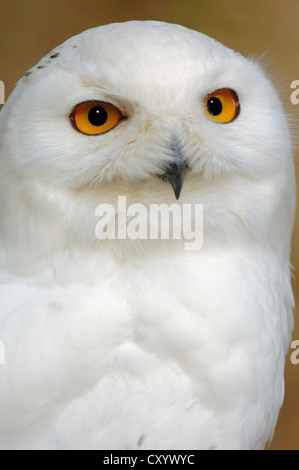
[(95, 117), (222, 105)]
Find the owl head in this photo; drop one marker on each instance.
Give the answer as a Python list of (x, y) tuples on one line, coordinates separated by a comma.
[(153, 111)]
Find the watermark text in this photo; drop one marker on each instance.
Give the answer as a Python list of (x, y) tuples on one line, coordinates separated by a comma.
[(150, 459), (157, 221), (2, 353), (2, 92), (295, 353), (295, 94)]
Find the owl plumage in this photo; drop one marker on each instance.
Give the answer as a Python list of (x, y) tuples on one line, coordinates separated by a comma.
[(122, 344)]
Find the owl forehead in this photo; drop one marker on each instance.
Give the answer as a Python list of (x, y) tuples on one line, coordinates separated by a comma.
[(139, 60), (145, 56), (141, 39), (148, 47)]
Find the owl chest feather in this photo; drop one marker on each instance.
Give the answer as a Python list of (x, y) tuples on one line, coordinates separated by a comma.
[(157, 355)]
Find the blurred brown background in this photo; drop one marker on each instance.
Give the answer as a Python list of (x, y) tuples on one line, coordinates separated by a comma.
[(30, 29)]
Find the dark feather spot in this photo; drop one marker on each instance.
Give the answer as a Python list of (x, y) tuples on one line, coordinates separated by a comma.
[(53, 56), (41, 67), (140, 440)]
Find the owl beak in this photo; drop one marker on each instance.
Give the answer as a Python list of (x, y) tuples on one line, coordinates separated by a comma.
[(174, 173), (174, 170)]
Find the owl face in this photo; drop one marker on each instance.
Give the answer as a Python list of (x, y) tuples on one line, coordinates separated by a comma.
[(158, 77), (129, 108)]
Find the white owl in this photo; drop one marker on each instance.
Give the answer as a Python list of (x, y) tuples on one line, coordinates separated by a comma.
[(122, 344)]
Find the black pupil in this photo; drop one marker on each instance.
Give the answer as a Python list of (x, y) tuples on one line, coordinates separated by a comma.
[(214, 106), (97, 116)]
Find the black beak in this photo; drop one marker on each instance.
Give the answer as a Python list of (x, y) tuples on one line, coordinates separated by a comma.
[(174, 171), (174, 174)]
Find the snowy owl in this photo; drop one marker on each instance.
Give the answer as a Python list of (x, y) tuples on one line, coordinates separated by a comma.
[(142, 344)]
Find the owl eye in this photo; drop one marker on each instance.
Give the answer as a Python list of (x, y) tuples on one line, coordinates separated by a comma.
[(95, 117), (222, 105)]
